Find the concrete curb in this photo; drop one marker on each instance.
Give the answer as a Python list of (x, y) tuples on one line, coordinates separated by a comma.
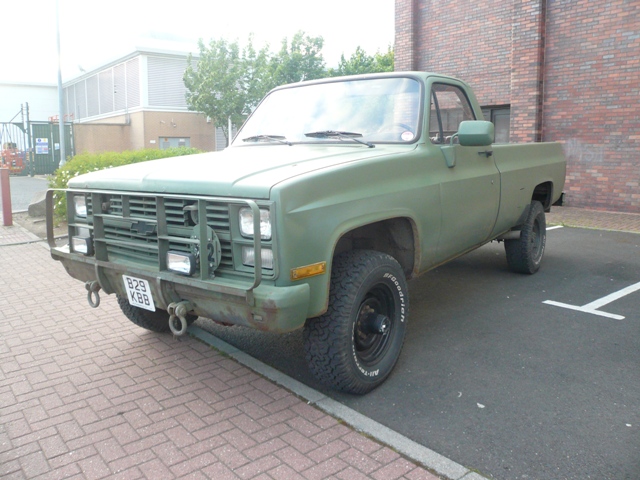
[(407, 447), (27, 236)]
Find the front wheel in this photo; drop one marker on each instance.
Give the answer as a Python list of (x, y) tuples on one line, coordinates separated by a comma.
[(354, 346), (524, 255)]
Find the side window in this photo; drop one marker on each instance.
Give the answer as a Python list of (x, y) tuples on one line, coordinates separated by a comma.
[(449, 107)]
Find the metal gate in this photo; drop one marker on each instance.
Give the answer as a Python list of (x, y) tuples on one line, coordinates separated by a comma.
[(33, 148), (45, 141)]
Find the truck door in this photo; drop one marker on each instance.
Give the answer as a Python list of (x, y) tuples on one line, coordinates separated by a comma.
[(469, 190)]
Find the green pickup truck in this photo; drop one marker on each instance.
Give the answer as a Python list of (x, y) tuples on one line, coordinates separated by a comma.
[(332, 195)]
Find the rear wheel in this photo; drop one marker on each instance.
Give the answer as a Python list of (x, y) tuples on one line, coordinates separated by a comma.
[(354, 346), (524, 255), (157, 321)]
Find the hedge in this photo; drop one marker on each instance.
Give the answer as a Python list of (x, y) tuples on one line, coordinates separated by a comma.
[(91, 162)]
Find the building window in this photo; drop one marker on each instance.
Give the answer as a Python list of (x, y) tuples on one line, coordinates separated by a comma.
[(170, 142), (501, 118)]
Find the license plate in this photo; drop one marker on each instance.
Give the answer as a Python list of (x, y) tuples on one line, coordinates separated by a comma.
[(139, 292)]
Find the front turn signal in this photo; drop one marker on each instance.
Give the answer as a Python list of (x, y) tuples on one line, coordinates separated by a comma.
[(308, 271)]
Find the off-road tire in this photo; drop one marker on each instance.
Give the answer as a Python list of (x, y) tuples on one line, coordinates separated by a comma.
[(339, 347), (157, 321), (524, 255)]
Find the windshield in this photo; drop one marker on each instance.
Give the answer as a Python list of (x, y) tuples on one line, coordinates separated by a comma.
[(374, 110)]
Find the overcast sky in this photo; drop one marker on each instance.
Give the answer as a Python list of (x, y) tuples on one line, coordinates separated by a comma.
[(95, 32)]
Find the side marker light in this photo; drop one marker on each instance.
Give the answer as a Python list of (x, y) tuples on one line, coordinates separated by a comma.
[(309, 271)]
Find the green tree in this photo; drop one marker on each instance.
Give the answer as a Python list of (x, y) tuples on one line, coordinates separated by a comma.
[(360, 63), (298, 61), (258, 77), (228, 82), (384, 62), (215, 84)]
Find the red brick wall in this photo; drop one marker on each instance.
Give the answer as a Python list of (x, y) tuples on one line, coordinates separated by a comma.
[(569, 69), (466, 39), (592, 99), (527, 70), (404, 55)]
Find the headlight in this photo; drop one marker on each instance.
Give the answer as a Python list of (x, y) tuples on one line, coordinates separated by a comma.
[(246, 223), (249, 257), (182, 263), (80, 205)]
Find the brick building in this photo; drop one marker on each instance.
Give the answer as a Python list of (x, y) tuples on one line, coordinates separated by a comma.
[(544, 70)]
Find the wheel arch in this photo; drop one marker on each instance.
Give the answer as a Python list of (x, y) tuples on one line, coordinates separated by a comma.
[(396, 237), (543, 193)]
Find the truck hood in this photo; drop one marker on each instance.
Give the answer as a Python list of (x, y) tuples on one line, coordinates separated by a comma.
[(243, 172)]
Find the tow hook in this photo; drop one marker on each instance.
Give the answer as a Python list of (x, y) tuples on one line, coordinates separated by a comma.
[(92, 292), (178, 317)]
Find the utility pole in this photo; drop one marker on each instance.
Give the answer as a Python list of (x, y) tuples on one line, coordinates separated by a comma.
[(63, 157), (32, 166)]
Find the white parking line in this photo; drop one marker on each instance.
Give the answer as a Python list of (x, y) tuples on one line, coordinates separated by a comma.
[(595, 305), (554, 228)]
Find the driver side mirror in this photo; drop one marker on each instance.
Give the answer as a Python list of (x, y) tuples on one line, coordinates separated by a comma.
[(471, 133), (475, 133)]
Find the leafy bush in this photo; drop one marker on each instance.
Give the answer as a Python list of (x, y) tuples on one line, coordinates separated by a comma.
[(91, 162)]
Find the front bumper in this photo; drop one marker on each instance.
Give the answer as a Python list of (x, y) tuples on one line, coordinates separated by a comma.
[(265, 307), (247, 301)]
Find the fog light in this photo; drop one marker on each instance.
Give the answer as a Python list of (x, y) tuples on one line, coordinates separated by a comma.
[(82, 245), (249, 257), (182, 263)]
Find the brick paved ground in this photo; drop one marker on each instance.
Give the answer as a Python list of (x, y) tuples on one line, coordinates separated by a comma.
[(14, 235), (581, 217), (86, 394)]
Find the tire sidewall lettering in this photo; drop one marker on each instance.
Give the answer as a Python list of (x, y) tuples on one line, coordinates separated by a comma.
[(396, 284)]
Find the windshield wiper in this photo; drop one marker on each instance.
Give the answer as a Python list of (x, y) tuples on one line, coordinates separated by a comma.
[(340, 135), (271, 138)]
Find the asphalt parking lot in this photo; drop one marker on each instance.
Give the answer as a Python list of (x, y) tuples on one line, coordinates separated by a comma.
[(23, 190), (501, 382)]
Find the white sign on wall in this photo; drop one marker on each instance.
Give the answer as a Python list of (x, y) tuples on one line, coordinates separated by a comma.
[(42, 146)]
